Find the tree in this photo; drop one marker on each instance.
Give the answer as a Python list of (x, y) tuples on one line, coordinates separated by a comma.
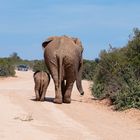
[(15, 56)]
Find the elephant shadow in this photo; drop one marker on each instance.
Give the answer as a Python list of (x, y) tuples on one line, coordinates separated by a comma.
[(47, 99)]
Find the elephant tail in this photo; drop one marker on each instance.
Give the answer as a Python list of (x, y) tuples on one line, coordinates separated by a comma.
[(60, 60)]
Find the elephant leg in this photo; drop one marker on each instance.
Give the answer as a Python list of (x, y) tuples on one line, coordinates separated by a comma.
[(37, 90), (56, 71), (58, 94), (37, 95), (42, 98), (67, 95), (63, 88)]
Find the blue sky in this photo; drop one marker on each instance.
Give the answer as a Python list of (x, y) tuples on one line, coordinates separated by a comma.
[(24, 24)]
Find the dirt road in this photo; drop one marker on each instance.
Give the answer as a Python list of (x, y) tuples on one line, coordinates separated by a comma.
[(22, 118)]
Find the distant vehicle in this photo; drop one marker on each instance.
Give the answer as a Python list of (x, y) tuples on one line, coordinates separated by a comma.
[(22, 67)]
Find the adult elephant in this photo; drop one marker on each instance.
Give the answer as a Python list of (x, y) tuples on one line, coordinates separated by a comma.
[(63, 57)]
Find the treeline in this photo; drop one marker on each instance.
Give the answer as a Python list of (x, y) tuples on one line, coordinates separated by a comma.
[(9, 65)]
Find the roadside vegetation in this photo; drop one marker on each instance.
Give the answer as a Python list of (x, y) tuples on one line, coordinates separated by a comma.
[(117, 75), (6, 67), (10, 64), (89, 67), (39, 65)]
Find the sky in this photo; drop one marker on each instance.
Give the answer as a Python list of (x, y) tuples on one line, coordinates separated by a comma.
[(25, 24)]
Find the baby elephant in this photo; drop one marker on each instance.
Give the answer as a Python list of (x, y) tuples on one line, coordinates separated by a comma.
[(42, 80)]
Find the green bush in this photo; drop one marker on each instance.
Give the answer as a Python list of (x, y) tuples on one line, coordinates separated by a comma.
[(117, 75), (6, 67), (39, 65), (88, 69)]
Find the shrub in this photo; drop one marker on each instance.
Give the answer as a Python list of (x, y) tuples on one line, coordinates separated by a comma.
[(117, 75), (6, 67), (39, 65), (88, 69)]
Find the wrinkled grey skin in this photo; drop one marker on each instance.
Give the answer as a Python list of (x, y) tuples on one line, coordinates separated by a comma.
[(41, 80), (63, 57)]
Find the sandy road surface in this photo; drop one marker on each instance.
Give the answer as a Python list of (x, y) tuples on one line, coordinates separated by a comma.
[(22, 118)]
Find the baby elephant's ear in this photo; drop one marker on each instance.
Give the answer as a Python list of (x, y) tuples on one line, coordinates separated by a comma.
[(35, 73), (46, 42)]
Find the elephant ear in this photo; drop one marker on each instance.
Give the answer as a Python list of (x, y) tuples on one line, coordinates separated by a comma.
[(35, 73), (46, 42), (77, 42)]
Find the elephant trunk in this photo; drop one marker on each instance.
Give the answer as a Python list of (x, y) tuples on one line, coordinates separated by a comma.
[(78, 80), (79, 77), (79, 86)]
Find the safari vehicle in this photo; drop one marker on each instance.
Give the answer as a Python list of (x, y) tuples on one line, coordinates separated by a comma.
[(22, 67)]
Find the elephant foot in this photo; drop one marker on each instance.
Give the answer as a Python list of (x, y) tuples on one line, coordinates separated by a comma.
[(67, 100), (57, 100), (42, 99), (37, 99)]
